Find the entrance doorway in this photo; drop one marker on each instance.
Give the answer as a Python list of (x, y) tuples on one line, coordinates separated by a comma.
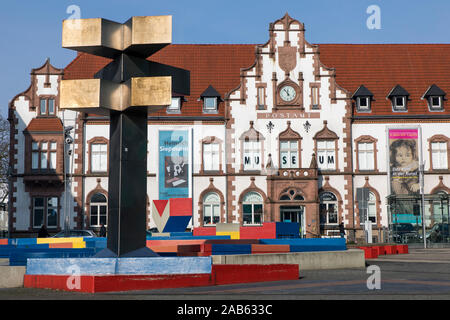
[(293, 214)]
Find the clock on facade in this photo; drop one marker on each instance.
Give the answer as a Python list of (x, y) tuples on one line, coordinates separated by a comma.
[(287, 93)]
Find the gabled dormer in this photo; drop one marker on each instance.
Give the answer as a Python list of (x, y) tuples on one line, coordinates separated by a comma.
[(435, 97), (363, 99), (399, 98), (211, 99)]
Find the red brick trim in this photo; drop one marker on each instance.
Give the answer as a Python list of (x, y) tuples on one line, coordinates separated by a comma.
[(440, 187)]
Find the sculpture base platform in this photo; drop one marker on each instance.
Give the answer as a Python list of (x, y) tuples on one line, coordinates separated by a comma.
[(125, 274)]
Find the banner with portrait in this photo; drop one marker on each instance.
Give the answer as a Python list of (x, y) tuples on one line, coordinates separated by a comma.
[(404, 150), (174, 164)]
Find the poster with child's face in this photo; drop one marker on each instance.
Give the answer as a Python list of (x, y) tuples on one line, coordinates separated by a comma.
[(404, 161)]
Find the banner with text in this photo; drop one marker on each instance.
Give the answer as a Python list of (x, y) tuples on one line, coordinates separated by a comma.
[(174, 176)]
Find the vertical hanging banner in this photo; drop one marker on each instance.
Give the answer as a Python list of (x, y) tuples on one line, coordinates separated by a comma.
[(174, 164), (404, 169)]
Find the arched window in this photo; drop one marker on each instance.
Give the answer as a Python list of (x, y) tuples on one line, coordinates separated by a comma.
[(98, 212), (252, 206), (211, 208), (328, 208)]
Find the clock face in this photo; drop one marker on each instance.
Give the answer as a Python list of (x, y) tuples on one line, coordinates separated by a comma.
[(287, 93)]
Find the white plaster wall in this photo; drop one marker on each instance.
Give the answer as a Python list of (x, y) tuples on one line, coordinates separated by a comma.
[(24, 117), (22, 205), (52, 90)]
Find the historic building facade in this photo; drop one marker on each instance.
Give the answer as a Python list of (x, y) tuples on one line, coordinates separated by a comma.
[(283, 131)]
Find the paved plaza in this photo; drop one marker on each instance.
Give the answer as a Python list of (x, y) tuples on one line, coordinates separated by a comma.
[(421, 274)]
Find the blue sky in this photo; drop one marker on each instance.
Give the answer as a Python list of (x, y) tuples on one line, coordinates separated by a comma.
[(30, 30)]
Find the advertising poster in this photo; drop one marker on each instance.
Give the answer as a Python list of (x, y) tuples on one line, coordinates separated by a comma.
[(174, 166), (404, 169)]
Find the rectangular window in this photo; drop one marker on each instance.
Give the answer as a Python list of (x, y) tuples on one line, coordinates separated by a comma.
[(261, 98), (99, 157), (326, 155), (38, 212), (51, 106), (211, 156), (252, 155), (439, 155), (53, 155), (289, 154), (175, 106), (366, 156), (399, 103), (211, 214), (372, 211), (34, 155), (315, 97), (252, 213), (43, 106), (45, 212), (210, 104), (44, 155), (363, 103), (435, 103), (52, 212)]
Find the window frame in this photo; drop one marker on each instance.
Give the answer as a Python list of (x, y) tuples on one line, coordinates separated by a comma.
[(396, 107), (95, 154), (365, 154), (45, 211), (334, 151), (46, 101), (334, 202), (252, 152), (367, 108), (211, 205), (211, 155), (171, 109), (372, 203), (253, 204), (207, 109), (97, 205), (432, 107), (440, 151), (44, 155), (290, 152)]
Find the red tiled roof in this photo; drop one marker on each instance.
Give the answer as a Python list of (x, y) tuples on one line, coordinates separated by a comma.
[(378, 66), (45, 125), (216, 65)]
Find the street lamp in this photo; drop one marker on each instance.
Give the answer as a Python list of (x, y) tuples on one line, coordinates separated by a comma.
[(68, 140), (422, 193)]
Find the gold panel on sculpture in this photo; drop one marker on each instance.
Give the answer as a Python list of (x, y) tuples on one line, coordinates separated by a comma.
[(151, 91), (97, 36), (150, 30)]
